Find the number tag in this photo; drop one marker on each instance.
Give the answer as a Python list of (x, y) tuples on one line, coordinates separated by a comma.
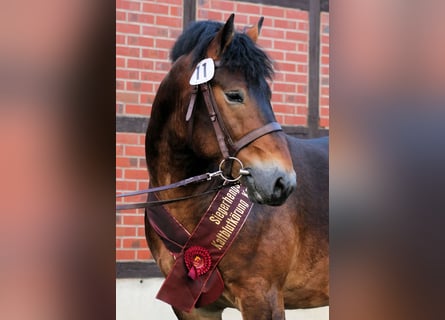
[(204, 72)]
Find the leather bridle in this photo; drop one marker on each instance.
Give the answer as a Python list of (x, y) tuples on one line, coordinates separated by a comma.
[(228, 147)]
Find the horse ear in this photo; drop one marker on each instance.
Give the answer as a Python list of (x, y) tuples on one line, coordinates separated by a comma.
[(254, 31), (222, 39)]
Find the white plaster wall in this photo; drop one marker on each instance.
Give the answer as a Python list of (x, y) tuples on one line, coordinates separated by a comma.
[(135, 300)]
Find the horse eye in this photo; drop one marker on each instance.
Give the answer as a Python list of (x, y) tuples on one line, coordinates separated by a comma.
[(234, 96)]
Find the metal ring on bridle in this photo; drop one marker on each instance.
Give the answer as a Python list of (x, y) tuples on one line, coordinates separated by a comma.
[(242, 171)]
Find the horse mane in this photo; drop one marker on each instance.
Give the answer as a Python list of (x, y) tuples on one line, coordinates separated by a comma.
[(241, 55)]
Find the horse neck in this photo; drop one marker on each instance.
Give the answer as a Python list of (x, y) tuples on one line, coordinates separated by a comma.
[(171, 160)]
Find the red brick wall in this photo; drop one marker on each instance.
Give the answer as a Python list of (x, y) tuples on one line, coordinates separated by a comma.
[(145, 32)]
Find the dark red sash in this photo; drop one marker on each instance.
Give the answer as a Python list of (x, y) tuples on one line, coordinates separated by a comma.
[(194, 280)]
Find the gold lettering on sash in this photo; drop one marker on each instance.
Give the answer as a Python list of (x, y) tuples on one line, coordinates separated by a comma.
[(228, 220)]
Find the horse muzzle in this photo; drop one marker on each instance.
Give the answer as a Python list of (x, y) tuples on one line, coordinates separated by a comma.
[(270, 186)]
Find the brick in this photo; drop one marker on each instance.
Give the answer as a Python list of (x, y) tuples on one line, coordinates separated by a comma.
[(140, 41), (241, 20), (128, 5), (295, 120), (122, 231), (295, 78), (121, 15), (272, 33), (143, 255), (127, 28), (285, 45), (302, 47), (276, 55), (297, 36), (120, 62), (324, 70), (265, 43), (289, 67), (127, 138), (140, 231), (156, 31), (285, 24), (175, 11), (324, 112), (142, 162), (127, 51), (144, 18), (135, 151), (302, 68), (296, 57), (123, 162), (125, 255), (138, 86), (302, 89), (136, 174), (223, 5), (284, 87), (324, 122), (155, 53), (119, 150), (324, 59), (214, 15), (296, 14), (324, 101), (164, 43), (124, 185), (127, 97), (135, 220), (282, 108), (273, 11), (324, 38), (248, 8), (303, 26), (126, 74), (325, 50), (133, 243), (302, 111), (156, 8), (169, 21), (119, 174), (175, 2), (147, 99), (140, 64), (137, 109), (120, 39)]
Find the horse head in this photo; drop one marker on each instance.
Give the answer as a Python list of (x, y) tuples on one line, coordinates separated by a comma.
[(241, 93)]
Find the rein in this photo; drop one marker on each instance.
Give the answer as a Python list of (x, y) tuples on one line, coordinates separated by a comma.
[(228, 181)]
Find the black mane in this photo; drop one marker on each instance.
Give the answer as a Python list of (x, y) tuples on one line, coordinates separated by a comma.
[(242, 53)]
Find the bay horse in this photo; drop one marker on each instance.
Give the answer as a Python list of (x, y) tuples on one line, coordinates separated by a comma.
[(280, 259)]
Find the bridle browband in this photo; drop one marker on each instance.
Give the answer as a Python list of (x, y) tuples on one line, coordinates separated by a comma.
[(229, 149)]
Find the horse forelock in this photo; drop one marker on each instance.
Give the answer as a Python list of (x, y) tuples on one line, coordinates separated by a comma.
[(242, 55)]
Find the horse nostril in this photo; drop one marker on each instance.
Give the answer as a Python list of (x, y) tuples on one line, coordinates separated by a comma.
[(279, 187)]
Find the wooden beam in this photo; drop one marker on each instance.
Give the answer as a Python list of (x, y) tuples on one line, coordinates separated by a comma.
[(137, 269), (294, 4), (313, 119), (188, 13)]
